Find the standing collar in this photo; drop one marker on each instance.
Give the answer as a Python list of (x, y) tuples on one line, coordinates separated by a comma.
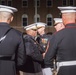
[(71, 25), (4, 24)]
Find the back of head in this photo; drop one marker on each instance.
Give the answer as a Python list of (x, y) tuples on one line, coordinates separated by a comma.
[(68, 14), (4, 16), (6, 13), (68, 18)]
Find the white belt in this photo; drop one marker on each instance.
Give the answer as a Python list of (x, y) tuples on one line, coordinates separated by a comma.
[(65, 63)]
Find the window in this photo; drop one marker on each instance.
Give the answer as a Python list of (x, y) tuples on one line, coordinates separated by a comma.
[(9, 2), (37, 17), (64, 2), (3, 2), (49, 20), (38, 3), (24, 20), (71, 2), (24, 3), (49, 3)]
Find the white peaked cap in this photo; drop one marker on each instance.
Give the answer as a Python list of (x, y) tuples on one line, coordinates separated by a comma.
[(67, 9), (57, 20), (41, 24), (31, 26), (7, 9)]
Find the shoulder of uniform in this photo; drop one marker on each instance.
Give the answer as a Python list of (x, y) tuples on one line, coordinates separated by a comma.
[(17, 31), (27, 38)]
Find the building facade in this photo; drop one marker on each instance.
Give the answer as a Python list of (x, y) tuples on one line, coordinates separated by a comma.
[(31, 11)]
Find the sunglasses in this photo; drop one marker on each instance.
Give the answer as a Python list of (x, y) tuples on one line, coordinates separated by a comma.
[(34, 29)]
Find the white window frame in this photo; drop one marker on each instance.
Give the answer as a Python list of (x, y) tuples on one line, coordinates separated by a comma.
[(49, 16), (24, 16)]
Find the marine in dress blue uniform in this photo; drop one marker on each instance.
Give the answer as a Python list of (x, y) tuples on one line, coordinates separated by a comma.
[(44, 42), (63, 44), (32, 65), (58, 25), (11, 46)]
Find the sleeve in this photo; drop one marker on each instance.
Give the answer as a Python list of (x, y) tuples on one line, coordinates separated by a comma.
[(50, 55), (36, 55), (33, 51), (21, 53)]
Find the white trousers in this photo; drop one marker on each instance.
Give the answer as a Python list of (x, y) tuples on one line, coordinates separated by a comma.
[(47, 71)]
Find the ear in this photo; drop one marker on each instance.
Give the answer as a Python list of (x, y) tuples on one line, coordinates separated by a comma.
[(11, 18)]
